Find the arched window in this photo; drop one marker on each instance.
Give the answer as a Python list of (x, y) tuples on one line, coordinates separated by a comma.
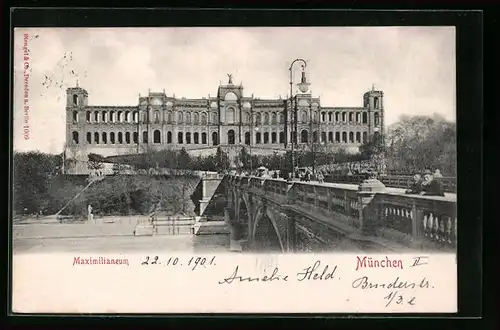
[(145, 137), (104, 138), (75, 138), (315, 117), (96, 116), (304, 136), (330, 117), (75, 100), (315, 137), (304, 117), (351, 137), (89, 117), (323, 116), (157, 117), (104, 116), (337, 117), (96, 138), (344, 117), (169, 137), (112, 116), (246, 118), (230, 136), (120, 137), (323, 136), (273, 137), (179, 117), (136, 137), (344, 137), (377, 119), (282, 137), (365, 118), (204, 138), (376, 103), (75, 116), (247, 138), (358, 117), (257, 119), (120, 117), (203, 118), (196, 119), (274, 119), (188, 138), (169, 117), (337, 136), (365, 139), (358, 137), (156, 136), (215, 138), (266, 119), (351, 117), (230, 115), (127, 116), (282, 117), (144, 117), (196, 138), (188, 118), (266, 138), (180, 139), (89, 138), (330, 136), (136, 117), (214, 120), (258, 138), (112, 138)]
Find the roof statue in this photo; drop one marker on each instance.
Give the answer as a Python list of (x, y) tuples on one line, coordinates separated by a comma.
[(230, 75)]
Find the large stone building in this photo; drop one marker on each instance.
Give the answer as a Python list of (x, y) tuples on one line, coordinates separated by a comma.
[(161, 121)]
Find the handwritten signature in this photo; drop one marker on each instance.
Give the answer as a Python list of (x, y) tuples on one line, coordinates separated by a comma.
[(315, 272)]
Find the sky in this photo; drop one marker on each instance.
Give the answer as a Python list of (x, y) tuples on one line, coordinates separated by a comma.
[(414, 66)]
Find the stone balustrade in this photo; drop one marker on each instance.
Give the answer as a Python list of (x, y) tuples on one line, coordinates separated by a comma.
[(411, 220)]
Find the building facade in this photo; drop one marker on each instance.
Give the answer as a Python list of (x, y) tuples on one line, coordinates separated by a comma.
[(160, 121)]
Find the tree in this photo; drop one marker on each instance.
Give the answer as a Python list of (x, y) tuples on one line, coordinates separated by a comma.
[(222, 161), (183, 160), (420, 142), (243, 158)]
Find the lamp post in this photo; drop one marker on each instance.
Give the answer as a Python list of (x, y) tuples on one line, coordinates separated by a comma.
[(303, 87)]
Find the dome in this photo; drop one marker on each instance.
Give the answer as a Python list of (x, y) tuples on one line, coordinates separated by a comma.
[(315, 105), (213, 104), (169, 104), (246, 105)]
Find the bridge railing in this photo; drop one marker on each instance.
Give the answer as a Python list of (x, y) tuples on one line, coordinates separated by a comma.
[(395, 181), (394, 215)]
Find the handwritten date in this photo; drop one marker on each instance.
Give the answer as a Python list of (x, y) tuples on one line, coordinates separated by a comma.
[(193, 262)]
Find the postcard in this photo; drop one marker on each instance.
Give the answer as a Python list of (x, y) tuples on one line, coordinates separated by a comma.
[(234, 170)]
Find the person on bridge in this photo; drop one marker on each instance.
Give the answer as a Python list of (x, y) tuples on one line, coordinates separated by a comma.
[(431, 186), (416, 185)]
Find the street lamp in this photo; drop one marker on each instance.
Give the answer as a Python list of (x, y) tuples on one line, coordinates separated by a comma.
[(303, 87), (251, 160)]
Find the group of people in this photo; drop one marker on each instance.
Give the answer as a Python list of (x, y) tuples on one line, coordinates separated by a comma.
[(427, 184)]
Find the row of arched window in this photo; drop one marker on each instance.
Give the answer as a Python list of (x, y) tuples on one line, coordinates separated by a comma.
[(195, 118), (133, 137), (201, 138)]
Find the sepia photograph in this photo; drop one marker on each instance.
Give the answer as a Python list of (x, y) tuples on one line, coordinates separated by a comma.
[(200, 143)]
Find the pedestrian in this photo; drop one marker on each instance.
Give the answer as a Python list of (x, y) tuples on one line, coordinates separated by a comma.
[(431, 186), (415, 185)]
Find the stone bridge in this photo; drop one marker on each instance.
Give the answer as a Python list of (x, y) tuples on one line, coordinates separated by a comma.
[(280, 216)]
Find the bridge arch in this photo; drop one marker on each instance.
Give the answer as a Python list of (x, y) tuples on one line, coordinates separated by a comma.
[(267, 220)]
